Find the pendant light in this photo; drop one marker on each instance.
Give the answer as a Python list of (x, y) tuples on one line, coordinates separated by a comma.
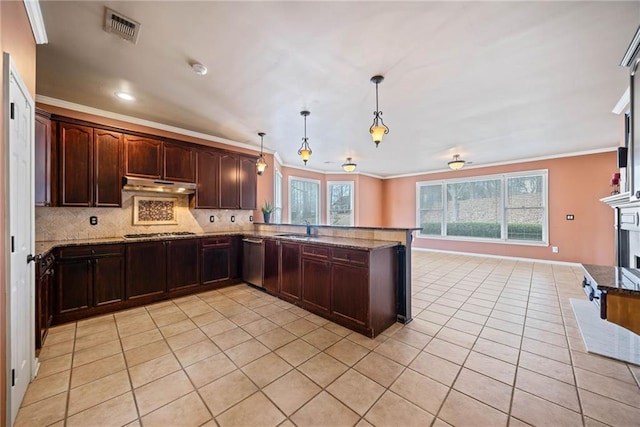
[(378, 129), (305, 151), (349, 166), (261, 164), (457, 163)]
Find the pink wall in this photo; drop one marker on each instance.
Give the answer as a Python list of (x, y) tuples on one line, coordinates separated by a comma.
[(17, 39), (575, 186), (369, 201)]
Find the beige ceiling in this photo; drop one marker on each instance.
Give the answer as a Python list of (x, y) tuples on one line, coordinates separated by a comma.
[(493, 81)]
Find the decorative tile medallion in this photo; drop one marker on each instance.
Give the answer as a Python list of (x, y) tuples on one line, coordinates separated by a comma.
[(154, 210)]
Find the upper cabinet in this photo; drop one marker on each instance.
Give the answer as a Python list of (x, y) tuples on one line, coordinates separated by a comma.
[(81, 164), (154, 159), (179, 163), (89, 166), (42, 161), (229, 190), (248, 183), (142, 157), (207, 180)]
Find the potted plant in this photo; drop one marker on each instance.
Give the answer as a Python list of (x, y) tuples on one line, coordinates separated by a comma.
[(266, 212)]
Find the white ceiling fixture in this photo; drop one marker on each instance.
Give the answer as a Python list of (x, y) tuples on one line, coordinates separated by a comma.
[(505, 80), (349, 166), (199, 69), (457, 163), (120, 25), (124, 96)]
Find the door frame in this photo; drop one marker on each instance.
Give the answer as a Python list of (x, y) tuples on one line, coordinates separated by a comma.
[(10, 69)]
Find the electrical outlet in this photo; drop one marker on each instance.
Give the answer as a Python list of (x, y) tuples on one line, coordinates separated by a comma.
[(250, 218), (93, 220), (212, 218), (570, 217), (233, 218), (554, 249)]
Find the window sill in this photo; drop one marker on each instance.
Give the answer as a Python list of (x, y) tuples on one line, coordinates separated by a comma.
[(477, 240)]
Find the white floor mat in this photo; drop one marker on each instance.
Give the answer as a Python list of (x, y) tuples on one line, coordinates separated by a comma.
[(605, 338)]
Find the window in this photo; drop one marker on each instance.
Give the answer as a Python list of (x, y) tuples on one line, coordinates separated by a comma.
[(304, 200), (277, 197), (510, 207), (340, 203)]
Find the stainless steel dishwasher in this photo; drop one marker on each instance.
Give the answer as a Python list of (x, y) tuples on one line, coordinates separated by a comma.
[(252, 261)]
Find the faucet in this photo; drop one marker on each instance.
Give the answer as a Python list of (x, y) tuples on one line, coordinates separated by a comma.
[(308, 224)]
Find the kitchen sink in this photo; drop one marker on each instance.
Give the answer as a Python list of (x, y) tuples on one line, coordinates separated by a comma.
[(296, 236)]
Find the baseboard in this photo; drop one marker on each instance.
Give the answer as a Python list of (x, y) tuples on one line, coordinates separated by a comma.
[(545, 261)]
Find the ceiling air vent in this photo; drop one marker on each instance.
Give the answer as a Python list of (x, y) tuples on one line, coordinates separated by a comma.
[(121, 26)]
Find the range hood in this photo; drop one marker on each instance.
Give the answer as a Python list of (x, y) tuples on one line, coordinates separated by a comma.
[(157, 185)]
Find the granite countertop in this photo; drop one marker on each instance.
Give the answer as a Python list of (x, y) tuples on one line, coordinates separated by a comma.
[(616, 279), (43, 247)]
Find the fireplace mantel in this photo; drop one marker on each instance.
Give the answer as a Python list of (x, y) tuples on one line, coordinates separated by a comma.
[(621, 200)]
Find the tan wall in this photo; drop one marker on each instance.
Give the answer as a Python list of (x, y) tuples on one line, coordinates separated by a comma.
[(265, 186), (16, 39), (369, 202), (575, 186)]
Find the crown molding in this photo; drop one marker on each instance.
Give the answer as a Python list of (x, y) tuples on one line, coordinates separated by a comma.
[(511, 162), (632, 50), (134, 120), (37, 23)]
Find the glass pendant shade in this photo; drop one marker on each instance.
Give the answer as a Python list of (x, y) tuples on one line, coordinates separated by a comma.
[(457, 163), (305, 154), (261, 165), (377, 132), (349, 166)]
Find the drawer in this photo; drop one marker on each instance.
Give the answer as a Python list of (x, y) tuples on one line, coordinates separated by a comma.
[(108, 250), (215, 241), (350, 256), (315, 251), (74, 252)]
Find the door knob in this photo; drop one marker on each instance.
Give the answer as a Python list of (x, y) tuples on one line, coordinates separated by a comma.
[(33, 258)]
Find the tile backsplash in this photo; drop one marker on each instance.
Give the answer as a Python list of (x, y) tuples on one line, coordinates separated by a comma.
[(73, 223)]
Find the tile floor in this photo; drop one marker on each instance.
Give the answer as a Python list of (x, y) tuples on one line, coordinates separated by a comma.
[(493, 342)]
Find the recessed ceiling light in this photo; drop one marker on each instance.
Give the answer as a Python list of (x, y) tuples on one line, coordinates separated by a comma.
[(199, 69), (124, 95)]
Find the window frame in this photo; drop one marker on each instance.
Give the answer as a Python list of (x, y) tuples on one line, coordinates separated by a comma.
[(503, 207), (352, 218), (319, 200), (277, 197)]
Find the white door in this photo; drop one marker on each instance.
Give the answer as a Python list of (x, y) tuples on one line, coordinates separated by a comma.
[(21, 342)]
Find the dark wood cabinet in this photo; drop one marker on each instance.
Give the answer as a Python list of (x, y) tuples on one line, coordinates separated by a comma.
[(88, 277), (43, 298), (108, 274), (179, 163), (146, 269), (89, 166), (349, 296), (316, 277), (215, 264), (107, 161), (183, 263), (76, 164), (248, 183), (229, 190), (142, 157), (42, 158), (290, 271), (271, 266), (207, 179)]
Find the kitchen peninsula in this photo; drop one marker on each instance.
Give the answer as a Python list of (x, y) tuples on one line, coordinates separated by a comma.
[(360, 279)]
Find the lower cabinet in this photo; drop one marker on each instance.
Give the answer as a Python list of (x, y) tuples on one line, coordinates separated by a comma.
[(290, 271), (316, 280), (215, 260), (87, 278), (271, 266), (43, 298), (183, 263), (146, 269), (350, 294)]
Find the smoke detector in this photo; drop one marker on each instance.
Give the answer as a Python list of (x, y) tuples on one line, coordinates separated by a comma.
[(122, 26)]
